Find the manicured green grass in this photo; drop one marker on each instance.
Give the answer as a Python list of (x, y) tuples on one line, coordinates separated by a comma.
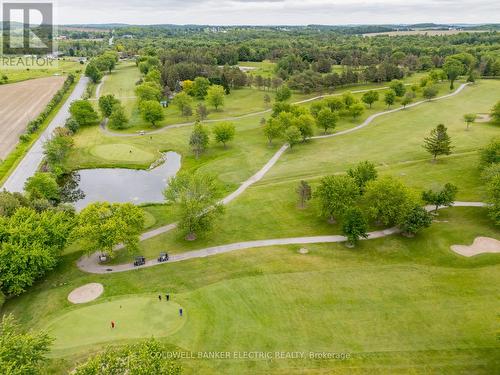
[(135, 317), (265, 68), (122, 153), (396, 305), (395, 138)]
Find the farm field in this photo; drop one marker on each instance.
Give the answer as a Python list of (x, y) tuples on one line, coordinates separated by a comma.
[(62, 67), (20, 103), (424, 32)]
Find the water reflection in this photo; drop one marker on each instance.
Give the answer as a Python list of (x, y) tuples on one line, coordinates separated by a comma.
[(118, 185)]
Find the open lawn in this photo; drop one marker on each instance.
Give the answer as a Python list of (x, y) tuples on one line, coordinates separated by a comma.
[(440, 319)]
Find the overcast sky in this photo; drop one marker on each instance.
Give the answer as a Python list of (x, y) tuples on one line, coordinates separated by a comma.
[(272, 12)]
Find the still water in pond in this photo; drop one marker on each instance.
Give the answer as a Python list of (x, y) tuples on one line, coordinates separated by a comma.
[(127, 185)]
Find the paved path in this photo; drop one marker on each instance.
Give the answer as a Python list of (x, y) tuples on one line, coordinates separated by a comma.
[(235, 118), (32, 160), (91, 265)]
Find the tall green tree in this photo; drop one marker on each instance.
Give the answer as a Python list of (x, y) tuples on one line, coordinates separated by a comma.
[(327, 119), (272, 130), (215, 96), (354, 226), (430, 92), (102, 226), (336, 194), (106, 104), (453, 69), (118, 118), (283, 93), (42, 185), (495, 112), (415, 220), (388, 201), (93, 72), (152, 112), (390, 98), (444, 197), (22, 353), (293, 136), (83, 112), (224, 132), (197, 194), (470, 118), (363, 173), (370, 97), (398, 87), (199, 140), (147, 357), (439, 142)]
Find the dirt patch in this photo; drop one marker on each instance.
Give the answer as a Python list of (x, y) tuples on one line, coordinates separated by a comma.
[(86, 293), (483, 117), (481, 245), (19, 104), (303, 251)]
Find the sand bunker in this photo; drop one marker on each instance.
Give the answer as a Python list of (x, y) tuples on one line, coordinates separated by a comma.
[(86, 293), (481, 245)]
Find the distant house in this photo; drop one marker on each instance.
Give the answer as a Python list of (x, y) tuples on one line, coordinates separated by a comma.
[(128, 36)]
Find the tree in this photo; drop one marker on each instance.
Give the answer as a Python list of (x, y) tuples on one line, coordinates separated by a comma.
[(102, 226), (430, 92), (390, 98), (152, 112), (56, 150), (187, 111), (215, 96), (354, 226), (42, 185), (336, 194), (148, 91), (327, 119), (72, 125), (201, 112), (224, 132), (197, 194), (305, 193), (493, 192), (267, 100), (363, 173), (469, 118), (199, 140), (491, 153), (415, 220), (444, 197), (398, 87), (388, 201), (200, 86), (283, 93), (370, 97), (106, 104), (407, 99), (21, 352), (30, 246), (439, 142), (453, 69), (356, 110), (10, 202), (348, 99), (305, 124), (146, 357), (93, 72), (83, 112), (118, 118), (495, 113), (293, 136), (182, 100), (272, 129)]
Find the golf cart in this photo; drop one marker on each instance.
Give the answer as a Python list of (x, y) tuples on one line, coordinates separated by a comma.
[(139, 261), (163, 258), (103, 258)]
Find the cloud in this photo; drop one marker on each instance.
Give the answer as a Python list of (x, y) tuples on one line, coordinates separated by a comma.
[(262, 12)]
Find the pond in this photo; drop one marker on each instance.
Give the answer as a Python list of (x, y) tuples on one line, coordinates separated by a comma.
[(118, 185)]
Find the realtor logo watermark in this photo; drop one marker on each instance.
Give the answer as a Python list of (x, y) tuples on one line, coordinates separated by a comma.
[(28, 35)]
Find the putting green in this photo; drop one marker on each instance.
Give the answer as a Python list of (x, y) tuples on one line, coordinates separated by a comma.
[(135, 317), (122, 152)]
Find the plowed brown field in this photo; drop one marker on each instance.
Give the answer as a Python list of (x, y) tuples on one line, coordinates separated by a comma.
[(21, 103)]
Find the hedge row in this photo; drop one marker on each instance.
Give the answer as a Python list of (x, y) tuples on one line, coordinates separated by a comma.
[(35, 124)]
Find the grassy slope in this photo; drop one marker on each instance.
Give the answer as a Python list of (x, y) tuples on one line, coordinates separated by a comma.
[(398, 305)]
